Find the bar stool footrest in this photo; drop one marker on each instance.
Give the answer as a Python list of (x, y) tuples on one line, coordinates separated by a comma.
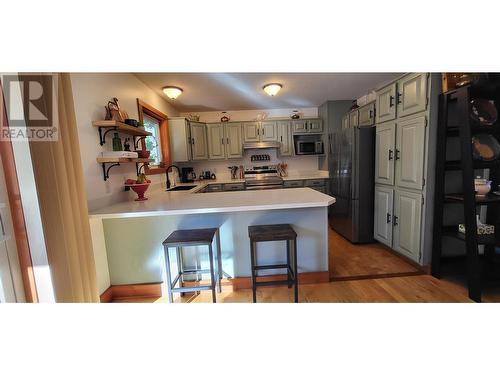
[(189, 289), (270, 267)]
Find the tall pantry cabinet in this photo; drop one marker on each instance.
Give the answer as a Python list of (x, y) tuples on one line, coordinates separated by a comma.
[(405, 132)]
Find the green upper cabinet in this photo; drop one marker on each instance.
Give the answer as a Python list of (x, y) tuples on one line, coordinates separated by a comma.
[(199, 147), (385, 138), (299, 126), (180, 139), (234, 140), (251, 132), (409, 155), (353, 119), (224, 141), (385, 104), (285, 137), (307, 126), (260, 131), (268, 131), (215, 136), (366, 115), (412, 94), (314, 126)]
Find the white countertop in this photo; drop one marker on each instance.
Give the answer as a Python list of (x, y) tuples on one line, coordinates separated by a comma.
[(161, 203)]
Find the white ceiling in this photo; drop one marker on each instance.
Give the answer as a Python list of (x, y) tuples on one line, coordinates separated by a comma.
[(239, 91)]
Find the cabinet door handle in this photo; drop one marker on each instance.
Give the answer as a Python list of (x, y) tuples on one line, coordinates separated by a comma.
[(390, 154), (391, 101), (388, 218), (192, 141), (227, 141), (395, 220), (258, 132), (399, 97), (222, 140), (306, 125), (262, 131), (397, 154), (371, 113), (281, 138)]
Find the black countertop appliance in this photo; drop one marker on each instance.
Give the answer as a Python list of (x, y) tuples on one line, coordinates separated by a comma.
[(187, 175)]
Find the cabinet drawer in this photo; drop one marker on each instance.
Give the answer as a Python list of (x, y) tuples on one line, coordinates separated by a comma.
[(293, 183), (314, 183), (214, 187), (233, 187)]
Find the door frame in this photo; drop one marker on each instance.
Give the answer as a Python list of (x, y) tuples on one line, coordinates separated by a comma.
[(16, 209)]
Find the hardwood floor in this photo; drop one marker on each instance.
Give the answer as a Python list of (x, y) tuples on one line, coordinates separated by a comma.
[(359, 273), (348, 261), (423, 288)]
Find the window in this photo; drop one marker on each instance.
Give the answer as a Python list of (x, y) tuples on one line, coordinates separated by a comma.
[(158, 143), (152, 125)]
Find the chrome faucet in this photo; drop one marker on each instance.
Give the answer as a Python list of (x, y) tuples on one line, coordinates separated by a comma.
[(166, 172)]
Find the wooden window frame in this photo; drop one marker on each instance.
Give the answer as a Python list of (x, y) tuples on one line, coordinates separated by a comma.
[(144, 108)]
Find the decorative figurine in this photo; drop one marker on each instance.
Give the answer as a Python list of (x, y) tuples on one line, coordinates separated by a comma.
[(126, 144), (225, 117)]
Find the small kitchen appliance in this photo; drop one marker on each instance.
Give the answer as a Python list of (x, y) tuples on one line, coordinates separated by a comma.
[(187, 175)]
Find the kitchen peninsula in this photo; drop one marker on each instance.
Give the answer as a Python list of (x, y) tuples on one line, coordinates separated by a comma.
[(128, 236)]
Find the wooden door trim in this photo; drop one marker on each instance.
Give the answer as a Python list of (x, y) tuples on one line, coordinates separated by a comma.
[(16, 210)]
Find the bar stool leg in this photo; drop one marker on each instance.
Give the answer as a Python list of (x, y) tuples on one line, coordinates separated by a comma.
[(180, 267), (169, 278), (219, 261), (252, 261), (212, 275), (289, 265), (295, 274)]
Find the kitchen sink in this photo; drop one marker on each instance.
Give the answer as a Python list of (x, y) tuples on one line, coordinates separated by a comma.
[(182, 187)]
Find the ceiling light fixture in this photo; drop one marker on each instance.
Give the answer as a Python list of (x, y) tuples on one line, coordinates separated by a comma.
[(272, 89), (172, 92)]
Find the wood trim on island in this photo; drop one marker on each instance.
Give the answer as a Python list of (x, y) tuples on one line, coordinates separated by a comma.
[(153, 290)]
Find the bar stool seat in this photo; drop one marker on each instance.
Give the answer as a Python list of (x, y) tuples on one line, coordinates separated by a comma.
[(193, 237), (275, 232)]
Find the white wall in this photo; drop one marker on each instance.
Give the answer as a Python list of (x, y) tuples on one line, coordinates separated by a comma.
[(249, 115), (91, 92)]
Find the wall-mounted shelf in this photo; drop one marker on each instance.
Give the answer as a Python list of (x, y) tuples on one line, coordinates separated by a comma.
[(117, 161), (106, 126)]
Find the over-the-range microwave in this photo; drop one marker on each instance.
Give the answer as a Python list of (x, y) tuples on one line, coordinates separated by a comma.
[(308, 147)]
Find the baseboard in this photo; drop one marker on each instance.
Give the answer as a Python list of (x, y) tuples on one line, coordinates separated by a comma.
[(153, 290), (118, 292)]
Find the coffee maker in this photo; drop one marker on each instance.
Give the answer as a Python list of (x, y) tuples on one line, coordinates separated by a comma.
[(187, 174)]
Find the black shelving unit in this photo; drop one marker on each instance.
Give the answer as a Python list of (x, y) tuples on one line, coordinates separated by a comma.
[(455, 121)]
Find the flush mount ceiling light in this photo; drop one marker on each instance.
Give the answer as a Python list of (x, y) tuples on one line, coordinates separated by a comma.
[(172, 92), (272, 89)]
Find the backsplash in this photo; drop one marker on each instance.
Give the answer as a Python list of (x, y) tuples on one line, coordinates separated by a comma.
[(296, 164)]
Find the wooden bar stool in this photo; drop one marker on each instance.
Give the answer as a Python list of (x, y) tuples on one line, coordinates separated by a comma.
[(277, 232), (192, 237)]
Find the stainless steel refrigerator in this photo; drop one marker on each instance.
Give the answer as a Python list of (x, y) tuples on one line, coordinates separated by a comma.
[(352, 170)]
